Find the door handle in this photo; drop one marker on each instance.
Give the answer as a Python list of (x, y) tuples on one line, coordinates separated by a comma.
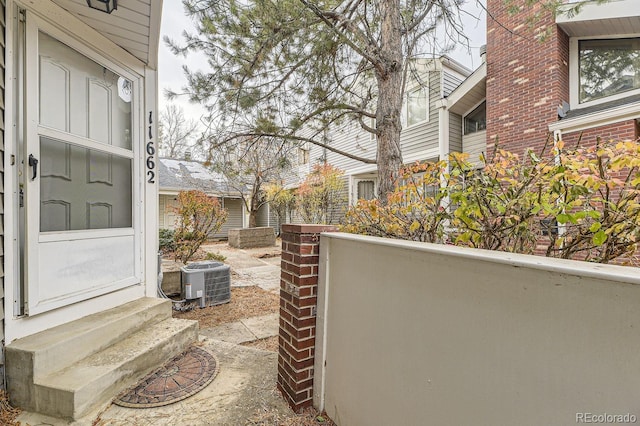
[(33, 162)]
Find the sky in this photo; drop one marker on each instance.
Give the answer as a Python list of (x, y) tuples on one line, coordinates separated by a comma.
[(175, 21)]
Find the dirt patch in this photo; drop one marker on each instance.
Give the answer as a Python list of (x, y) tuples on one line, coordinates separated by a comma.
[(245, 302), (8, 414), (269, 344)]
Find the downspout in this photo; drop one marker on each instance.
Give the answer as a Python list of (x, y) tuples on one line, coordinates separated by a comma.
[(557, 136), (443, 151), (322, 310), (443, 134)]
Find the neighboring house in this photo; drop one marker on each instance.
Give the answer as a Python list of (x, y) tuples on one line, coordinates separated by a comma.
[(425, 135), (79, 212), (580, 81), (575, 77), (184, 175)]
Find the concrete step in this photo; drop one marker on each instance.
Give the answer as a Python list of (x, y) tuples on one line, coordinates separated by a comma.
[(42, 353), (92, 382)]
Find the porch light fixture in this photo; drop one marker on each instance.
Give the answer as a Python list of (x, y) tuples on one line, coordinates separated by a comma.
[(106, 6)]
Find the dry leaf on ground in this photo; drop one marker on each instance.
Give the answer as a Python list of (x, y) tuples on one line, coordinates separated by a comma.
[(8, 414), (245, 302)]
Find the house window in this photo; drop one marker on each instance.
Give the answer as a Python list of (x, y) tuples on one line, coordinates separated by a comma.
[(476, 120), (608, 67), (303, 156), (86, 156), (366, 190), (417, 109)]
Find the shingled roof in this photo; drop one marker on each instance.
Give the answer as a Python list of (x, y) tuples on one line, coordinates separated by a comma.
[(181, 175)]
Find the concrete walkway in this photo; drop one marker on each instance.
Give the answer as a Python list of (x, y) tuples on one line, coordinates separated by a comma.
[(249, 267), (245, 330), (245, 387)]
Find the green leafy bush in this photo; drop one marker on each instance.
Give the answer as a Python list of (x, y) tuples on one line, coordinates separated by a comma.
[(166, 239)]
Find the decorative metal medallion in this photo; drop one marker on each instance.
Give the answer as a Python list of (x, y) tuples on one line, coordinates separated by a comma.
[(180, 378)]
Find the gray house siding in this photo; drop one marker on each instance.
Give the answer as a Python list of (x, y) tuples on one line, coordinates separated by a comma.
[(419, 141), (450, 82), (340, 208), (262, 218), (167, 218), (455, 133), (475, 144), (234, 220)]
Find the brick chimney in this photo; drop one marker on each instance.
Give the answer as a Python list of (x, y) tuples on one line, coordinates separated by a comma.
[(527, 75)]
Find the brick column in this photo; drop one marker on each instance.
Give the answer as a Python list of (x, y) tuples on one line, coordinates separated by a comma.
[(298, 292), (527, 78)]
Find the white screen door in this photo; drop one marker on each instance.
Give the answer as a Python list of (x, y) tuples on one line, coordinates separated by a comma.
[(80, 174)]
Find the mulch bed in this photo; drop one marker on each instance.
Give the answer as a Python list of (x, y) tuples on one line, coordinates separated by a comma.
[(308, 417), (8, 414), (245, 302)]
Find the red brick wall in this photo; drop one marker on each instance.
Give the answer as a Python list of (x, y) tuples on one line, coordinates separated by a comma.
[(624, 130), (527, 79), (298, 300)]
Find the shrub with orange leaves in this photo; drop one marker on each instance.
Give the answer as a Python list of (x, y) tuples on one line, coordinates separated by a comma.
[(322, 195), (198, 216), (581, 203), (416, 210)]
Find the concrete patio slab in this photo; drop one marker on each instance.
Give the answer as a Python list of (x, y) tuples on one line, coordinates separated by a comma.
[(244, 386), (234, 332), (245, 330), (263, 326)]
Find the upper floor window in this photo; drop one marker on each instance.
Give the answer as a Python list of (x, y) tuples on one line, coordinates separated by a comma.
[(608, 67), (416, 107), (476, 120), (303, 156)]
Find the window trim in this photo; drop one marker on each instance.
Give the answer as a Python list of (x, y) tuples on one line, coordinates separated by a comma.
[(574, 72), (30, 119), (36, 24), (405, 106), (472, 109), (356, 181)]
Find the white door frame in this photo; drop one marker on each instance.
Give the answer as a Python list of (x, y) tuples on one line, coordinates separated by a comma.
[(90, 43)]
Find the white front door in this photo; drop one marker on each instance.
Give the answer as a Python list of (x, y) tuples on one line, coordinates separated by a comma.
[(80, 173)]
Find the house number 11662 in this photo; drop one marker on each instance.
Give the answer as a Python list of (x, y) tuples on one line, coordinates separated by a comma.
[(151, 165)]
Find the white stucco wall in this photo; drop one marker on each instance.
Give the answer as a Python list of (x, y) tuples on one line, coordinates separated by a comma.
[(412, 333)]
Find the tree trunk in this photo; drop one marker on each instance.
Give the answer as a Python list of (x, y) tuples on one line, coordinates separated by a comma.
[(252, 218), (389, 75)]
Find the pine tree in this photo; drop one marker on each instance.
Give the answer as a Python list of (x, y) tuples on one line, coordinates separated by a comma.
[(290, 69)]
